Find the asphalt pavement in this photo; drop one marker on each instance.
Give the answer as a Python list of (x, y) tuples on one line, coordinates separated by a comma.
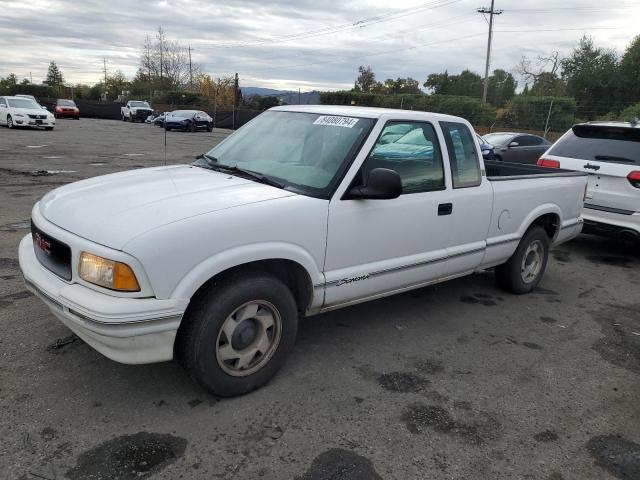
[(455, 381)]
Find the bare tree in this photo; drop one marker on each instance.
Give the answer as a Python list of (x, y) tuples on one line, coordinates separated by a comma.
[(544, 75)]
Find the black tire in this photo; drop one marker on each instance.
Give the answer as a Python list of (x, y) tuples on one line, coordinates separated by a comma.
[(202, 325), (77, 118), (48, 128), (192, 127), (167, 129), (124, 119), (510, 275), (10, 122), (209, 127)]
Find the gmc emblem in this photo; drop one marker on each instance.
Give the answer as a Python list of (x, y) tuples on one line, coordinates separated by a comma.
[(43, 244)]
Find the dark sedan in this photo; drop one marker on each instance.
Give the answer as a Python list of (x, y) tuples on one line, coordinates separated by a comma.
[(517, 147), (188, 121)]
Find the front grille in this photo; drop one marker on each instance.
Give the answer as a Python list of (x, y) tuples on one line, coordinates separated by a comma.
[(51, 253), (37, 116), (145, 113)]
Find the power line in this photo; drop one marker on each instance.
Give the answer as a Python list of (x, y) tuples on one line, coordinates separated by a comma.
[(492, 12), (339, 28)]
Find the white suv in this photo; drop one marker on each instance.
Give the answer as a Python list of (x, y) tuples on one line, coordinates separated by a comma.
[(610, 153)]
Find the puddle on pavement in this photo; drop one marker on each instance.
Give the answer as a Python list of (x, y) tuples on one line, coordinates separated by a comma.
[(129, 457), (617, 455), (340, 464)]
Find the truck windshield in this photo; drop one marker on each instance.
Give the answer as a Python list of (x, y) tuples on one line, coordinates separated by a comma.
[(306, 152), (139, 104)]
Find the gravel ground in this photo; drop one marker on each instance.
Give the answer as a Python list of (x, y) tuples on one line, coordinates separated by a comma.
[(454, 381)]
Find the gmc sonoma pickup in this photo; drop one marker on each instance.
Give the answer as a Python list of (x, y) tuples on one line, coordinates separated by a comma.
[(303, 210)]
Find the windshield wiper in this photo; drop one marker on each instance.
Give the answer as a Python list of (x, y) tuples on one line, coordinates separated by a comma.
[(611, 158), (212, 163)]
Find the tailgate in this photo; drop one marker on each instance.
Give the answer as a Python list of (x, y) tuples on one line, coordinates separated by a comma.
[(610, 155)]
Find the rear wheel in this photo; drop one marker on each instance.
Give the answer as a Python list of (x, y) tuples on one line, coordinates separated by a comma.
[(192, 127), (524, 270), (239, 333), (48, 128), (209, 127)]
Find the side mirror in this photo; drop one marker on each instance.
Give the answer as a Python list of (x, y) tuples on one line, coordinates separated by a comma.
[(2, 105), (382, 184), (514, 144)]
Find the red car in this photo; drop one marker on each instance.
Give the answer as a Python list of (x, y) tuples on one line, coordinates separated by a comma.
[(66, 108)]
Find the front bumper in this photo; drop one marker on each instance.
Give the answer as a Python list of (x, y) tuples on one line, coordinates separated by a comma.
[(127, 330), (32, 122)]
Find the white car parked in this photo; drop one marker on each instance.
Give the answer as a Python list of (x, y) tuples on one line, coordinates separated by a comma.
[(610, 153), (24, 112), (303, 210)]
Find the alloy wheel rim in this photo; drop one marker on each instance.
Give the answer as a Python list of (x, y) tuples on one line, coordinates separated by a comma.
[(532, 261), (248, 338)]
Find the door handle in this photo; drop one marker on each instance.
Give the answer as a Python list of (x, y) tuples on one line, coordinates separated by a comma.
[(445, 209)]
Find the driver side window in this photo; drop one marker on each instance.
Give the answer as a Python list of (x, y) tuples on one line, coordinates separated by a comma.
[(413, 151)]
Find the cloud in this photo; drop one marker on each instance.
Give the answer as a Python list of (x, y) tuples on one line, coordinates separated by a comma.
[(323, 49)]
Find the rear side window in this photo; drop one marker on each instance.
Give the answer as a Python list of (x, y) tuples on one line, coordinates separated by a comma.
[(465, 169), (601, 144), (528, 140)]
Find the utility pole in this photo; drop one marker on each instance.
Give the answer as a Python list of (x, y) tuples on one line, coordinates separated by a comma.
[(491, 11), (190, 71), (298, 95), (30, 78), (235, 99), (104, 69)]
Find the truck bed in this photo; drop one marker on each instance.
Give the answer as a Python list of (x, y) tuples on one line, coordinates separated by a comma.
[(500, 171)]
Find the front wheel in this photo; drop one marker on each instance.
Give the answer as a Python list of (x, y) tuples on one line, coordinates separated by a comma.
[(524, 270), (239, 333), (48, 128), (9, 121)]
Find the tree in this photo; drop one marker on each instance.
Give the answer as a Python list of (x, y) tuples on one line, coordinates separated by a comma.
[(501, 88), (164, 65), (116, 84), (54, 76), (401, 85), (543, 76), (366, 81), (467, 83), (591, 75), (629, 72)]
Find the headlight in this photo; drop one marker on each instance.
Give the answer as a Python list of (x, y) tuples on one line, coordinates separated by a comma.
[(18, 114), (486, 152), (107, 273)]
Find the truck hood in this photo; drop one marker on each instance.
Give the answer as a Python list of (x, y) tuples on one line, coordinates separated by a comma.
[(113, 209)]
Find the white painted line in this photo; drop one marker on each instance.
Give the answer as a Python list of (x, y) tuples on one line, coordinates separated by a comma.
[(133, 154), (36, 146), (51, 158)]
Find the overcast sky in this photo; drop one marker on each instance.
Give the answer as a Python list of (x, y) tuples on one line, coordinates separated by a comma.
[(307, 44)]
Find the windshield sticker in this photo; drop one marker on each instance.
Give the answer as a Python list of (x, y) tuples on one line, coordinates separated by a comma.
[(334, 121)]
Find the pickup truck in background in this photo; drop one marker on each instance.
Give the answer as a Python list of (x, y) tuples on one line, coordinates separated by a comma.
[(610, 153), (135, 110), (303, 210)]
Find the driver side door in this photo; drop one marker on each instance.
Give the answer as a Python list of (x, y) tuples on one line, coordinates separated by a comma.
[(376, 247)]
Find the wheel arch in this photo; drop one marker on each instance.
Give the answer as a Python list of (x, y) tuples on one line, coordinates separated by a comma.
[(294, 266), (549, 217)]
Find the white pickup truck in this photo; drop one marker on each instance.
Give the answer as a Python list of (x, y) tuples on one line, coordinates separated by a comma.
[(303, 210), (135, 110)]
